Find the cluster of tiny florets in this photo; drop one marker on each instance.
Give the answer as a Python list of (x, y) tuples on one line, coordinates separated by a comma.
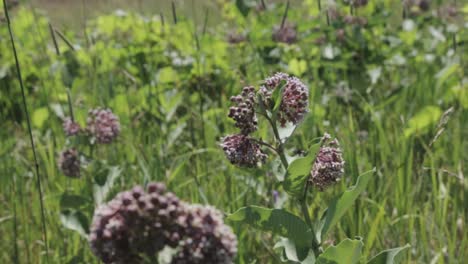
[(70, 127), (138, 224), (69, 163), (236, 38), (242, 151), (103, 125), (358, 3), (244, 110), (286, 33), (208, 239), (295, 98), (328, 167)]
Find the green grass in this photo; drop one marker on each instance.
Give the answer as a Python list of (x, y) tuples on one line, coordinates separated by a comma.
[(173, 116)]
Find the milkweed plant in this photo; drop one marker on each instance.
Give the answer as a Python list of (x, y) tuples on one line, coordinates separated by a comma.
[(282, 102)]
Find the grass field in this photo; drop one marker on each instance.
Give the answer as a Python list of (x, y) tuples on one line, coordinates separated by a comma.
[(392, 89)]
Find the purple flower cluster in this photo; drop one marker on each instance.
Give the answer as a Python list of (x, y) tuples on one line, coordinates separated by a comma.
[(208, 239), (103, 125), (136, 225), (242, 151), (244, 111), (328, 166), (70, 127), (69, 163), (236, 38), (285, 34), (295, 98)]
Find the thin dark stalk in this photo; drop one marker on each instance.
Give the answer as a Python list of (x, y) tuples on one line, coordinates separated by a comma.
[(54, 39), (69, 44), (23, 95), (57, 51), (15, 223), (174, 13), (319, 5), (285, 15), (263, 4), (205, 22), (162, 18)]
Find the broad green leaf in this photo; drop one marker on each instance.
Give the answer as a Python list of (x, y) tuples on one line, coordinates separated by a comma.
[(39, 116), (75, 220), (428, 116), (290, 252), (72, 201), (299, 171), (279, 222), (389, 256), (104, 180), (346, 252), (167, 75), (242, 7), (287, 131), (297, 67), (340, 205)]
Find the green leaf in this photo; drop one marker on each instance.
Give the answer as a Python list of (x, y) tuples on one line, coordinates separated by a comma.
[(39, 116), (75, 220), (104, 180), (279, 222), (340, 205), (347, 252), (428, 116), (389, 256), (72, 201), (290, 252), (242, 7), (298, 172), (297, 67), (277, 96)]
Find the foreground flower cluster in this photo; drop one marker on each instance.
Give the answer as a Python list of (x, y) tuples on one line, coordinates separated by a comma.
[(328, 166), (103, 127), (137, 224)]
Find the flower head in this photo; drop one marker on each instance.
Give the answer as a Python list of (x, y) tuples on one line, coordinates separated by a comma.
[(208, 239), (295, 98), (286, 33), (71, 128), (328, 166), (242, 151), (138, 224), (69, 163), (244, 111), (103, 125)]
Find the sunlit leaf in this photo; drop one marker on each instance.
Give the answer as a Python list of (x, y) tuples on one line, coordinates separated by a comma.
[(39, 116), (346, 252), (76, 221), (299, 171), (279, 222), (389, 256), (425, 118), (341, 204)]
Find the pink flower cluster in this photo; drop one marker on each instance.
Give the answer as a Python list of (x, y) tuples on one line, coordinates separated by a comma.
[(295, 98), (286, 34), (328, 166), (244, 111), (69, 163), (137, 224), (242, 151), (103, 125)]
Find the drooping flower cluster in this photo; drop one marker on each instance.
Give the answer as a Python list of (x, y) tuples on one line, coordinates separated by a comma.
[(242, 151), (244, 111), (103, 125), (286, 33), (295, 98), (136, 225), (70, 127), (328, 166), (69, 163)]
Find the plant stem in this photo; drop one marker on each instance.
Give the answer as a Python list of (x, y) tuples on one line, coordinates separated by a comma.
[(36, 163), (280, 146)]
